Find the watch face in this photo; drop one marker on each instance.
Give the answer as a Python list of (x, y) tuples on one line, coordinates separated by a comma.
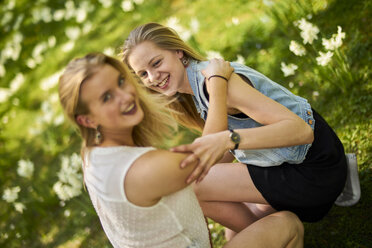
[(235, 137)]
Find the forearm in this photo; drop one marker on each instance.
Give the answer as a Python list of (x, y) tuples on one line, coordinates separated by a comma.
[(281, 134), (217, 113)]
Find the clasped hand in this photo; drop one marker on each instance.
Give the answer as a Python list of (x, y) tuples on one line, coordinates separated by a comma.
[(206, 150)]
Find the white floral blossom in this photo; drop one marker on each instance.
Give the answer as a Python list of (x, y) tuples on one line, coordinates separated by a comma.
[(214, 54), (335, 41), (2, 70), (309, 32), (25, 168), (297, 48), (127, 5), (109, 51), (194, 25), (19, 207), (17, 82), (324, 58), (68, 46), (106, 3), (288, 69), (4, 94), (73, 33), (70, 179), (11, 194), (52, 41), (59, 15), (235, 20), (174, 23), (240, 59), (50, 82)]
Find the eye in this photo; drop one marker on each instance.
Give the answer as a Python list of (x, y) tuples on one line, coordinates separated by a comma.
[(121, 81), (143, 74), (157, 63), (106, 97)]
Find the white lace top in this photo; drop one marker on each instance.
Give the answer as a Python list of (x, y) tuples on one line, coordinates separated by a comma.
[(175, 221)]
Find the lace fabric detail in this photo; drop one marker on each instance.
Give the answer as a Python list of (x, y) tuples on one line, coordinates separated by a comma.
[(175, 221)]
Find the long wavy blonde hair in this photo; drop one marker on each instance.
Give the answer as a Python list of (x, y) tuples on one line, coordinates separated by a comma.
[(154, 128), (166, 38)]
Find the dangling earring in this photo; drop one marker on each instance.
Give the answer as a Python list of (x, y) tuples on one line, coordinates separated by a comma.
[(185, 61), (98, 138)]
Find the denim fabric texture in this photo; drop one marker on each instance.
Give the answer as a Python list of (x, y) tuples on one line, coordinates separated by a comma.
[(298, 105)]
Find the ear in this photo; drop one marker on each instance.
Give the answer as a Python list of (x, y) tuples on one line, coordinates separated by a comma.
[(85, 121), (179, 54)]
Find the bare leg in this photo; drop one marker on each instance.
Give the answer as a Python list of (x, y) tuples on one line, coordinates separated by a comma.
[(228, 182), (258, 210), (280, 229)]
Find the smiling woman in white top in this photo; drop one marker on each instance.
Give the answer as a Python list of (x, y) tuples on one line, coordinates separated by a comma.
[(139, 192)]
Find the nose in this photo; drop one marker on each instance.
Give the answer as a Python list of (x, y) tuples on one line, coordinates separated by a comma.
[(153, 78), (124, 96)]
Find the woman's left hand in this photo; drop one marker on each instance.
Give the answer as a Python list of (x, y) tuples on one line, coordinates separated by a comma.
[(208, 149)]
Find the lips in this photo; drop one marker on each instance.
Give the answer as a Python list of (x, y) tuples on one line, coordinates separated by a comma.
[(164, 83), (131, 109)]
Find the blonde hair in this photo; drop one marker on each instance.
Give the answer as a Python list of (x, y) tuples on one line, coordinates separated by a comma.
[(167, 39), (157, 122)]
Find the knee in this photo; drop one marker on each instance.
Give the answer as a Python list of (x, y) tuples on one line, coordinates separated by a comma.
[(293, 223)]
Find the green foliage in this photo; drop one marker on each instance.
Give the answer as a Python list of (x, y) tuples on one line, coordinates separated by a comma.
[(40, 37)]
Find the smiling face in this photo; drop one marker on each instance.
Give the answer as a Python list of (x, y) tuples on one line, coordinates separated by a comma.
[(159, 69), (112, 102)]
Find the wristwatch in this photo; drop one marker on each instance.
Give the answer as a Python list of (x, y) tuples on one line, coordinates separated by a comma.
[(235, 138)]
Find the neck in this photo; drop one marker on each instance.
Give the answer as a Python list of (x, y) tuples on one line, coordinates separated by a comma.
[(117, 138), (186, 87)]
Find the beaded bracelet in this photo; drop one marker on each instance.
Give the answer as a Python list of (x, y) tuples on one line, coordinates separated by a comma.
[(218, 76)]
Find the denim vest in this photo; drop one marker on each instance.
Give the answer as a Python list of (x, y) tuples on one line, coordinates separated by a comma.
[(258, 157)]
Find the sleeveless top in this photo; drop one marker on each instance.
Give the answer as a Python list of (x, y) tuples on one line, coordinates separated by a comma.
[(258, 157), (175, 221)]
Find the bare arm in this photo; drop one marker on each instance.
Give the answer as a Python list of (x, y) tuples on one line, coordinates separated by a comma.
[(154, 175)]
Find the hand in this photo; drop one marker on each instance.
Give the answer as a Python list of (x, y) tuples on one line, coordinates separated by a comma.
[(217, 67), (207, 149)]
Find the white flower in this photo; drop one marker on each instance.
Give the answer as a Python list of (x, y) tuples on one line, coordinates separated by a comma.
[(50, 82), (52, 41), (31, 63), (309, 32), (335, 41), (127, 5), (59, 15), (324, 58), (7, 17), (4, 94), (268, 3), (174, 23), (291, 84), (17, 82), (59, 120), (25, 168), (87, 27), (240, 59), (70, 180), (109, 51), (2, 70), (67, 213), (288, 69), (106, 3), (235, 20), (194, 25), (214, 54), (315, 93), (19, 207), (68, 46), (11, 194), (73, 33), (297, 48), (81, 15)]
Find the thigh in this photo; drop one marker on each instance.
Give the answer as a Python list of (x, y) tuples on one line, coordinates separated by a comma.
[(228, 182)]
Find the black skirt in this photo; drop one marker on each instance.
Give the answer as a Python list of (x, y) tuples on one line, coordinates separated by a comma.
[(308, 189)]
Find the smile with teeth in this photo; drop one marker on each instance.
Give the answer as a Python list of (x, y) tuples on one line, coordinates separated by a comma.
[(163, 83), (130, 108)]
